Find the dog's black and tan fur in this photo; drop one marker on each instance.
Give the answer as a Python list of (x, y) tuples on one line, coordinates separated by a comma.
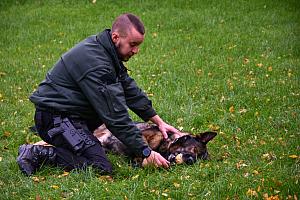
[(186, 149)]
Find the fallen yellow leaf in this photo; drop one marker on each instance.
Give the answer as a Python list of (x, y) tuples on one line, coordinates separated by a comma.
[(258, 188), (255, 172), (2, 73), (54, 186), (164, 194), (231, 109), (276, 197), (65, 173), (269, 156), (241, 164), (293, 156), (246, 61), (231, 47), (179, 120), (135, 177), (270, 68), (251, 192), (199, 72), (261, 142), (177, 185), (35, 179), (259, 65), (6, 134), (106, 178), (243, 110), (214, 127)]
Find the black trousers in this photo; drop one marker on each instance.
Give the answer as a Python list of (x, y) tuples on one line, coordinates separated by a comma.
[(65, 156)]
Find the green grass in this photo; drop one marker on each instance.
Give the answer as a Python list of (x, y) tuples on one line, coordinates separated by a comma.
[(226, 65)]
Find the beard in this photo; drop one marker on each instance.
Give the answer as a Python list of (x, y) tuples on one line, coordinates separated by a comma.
[(121, 56)]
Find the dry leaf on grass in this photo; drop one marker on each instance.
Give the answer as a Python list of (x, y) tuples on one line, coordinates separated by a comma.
[(231, 109), (54, 187), (251, 193), (106, 178), (293, 156)]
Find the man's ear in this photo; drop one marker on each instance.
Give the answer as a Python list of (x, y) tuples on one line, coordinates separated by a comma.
[(115, 36), (206, 136)]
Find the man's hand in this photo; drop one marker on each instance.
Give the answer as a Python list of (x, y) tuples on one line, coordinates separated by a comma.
[(157, 160), (165, 128)]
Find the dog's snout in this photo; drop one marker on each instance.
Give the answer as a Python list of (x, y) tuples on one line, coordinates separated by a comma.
[(190, 160)]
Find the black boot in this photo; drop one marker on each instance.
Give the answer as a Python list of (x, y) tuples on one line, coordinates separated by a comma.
[(31, 157)]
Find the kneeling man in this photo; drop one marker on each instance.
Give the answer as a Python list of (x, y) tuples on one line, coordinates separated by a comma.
[(89, 86)]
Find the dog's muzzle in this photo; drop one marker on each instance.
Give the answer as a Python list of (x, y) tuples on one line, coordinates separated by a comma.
[(179, 158)]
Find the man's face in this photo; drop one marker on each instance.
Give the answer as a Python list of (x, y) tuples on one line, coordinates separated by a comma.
[(128, 45)]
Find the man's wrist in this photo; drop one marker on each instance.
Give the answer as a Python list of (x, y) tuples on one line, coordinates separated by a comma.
[(146, 152), (157, 120)]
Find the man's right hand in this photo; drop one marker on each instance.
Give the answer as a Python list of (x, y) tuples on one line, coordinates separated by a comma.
[(157, 160)]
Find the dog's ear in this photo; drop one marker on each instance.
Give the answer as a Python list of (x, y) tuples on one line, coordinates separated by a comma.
[(206, 136)]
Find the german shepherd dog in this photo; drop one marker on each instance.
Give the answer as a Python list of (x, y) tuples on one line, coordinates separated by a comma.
[(185, 149)]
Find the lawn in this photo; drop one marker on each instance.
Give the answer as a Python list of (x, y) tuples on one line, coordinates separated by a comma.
[(229, 66)]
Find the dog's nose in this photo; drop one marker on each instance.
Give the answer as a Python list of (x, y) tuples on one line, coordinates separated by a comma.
[(190, 160)]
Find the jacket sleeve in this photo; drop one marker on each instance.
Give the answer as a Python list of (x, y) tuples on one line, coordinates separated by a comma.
[(107, 98), (136, 99)]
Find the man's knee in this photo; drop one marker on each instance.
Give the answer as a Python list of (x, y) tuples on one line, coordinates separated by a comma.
[(97, 158)]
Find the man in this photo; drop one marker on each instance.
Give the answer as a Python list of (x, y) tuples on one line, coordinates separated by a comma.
[(87, 87)]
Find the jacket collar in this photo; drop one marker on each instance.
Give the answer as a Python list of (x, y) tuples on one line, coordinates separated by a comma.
[(104, 38)]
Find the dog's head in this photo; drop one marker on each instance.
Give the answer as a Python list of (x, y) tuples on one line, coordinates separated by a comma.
[(188, 148)]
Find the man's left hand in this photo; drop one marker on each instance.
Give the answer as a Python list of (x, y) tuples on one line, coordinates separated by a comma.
[(165, 128)]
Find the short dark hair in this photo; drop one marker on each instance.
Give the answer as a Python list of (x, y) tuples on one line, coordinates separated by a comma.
[(124, 22)]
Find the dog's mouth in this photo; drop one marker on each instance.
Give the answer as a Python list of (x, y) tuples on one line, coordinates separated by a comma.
[(187, 158), (180, 158)]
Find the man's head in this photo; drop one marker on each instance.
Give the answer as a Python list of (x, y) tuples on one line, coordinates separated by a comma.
[(127, 34)]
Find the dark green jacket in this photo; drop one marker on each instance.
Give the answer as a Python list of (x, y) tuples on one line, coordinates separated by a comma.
[(89, 80)]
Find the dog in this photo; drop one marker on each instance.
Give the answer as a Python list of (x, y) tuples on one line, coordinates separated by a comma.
[(185, 149)]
